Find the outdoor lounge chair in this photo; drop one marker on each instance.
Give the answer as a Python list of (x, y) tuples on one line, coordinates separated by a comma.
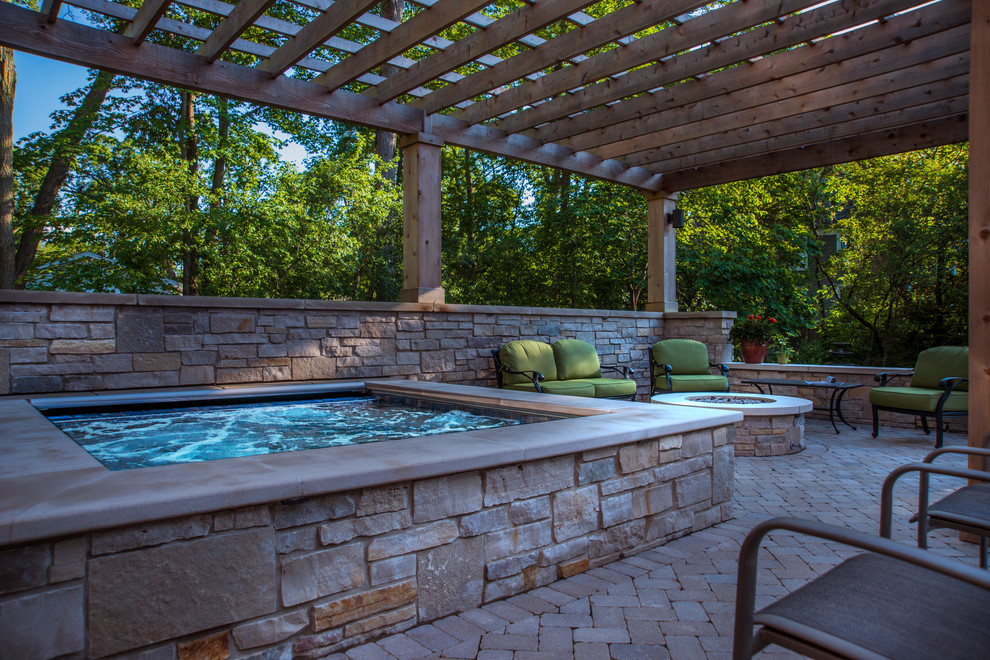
[(965, 510), (681, 365), (892, 602), (938, 389), (569, 366)]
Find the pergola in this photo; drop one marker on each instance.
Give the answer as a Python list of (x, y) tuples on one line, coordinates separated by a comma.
[(660, 95)]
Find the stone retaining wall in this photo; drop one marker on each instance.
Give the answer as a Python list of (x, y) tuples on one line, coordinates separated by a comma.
[(856, 404), (69, 342), (305, 578)]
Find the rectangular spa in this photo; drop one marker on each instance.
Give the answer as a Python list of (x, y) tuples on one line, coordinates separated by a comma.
[(303, 553), (126, 435)]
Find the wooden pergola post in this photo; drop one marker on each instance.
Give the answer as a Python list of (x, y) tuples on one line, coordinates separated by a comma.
[(661, 269), (979, 229), (421, 210)]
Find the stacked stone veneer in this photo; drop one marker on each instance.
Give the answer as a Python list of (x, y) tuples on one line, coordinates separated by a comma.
[(65, 342), (306, 578), (776, 435)]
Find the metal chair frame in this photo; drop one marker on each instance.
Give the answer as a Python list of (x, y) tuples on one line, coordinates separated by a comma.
[(948, 386), (668, 370), (973, 524), (814, 643)]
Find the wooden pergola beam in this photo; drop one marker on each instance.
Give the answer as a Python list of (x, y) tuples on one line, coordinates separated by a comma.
[(979, 233), (510, 28), (700, 30), (872, 145), (147, 17), (845, 75), (623, 22), (901, 31), (338, 16), (243, 16), (755, 43), (884, 113), (642, 149), (28, 31), (406, 35)]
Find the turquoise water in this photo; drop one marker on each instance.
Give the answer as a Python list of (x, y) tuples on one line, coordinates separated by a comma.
[(145, 438)]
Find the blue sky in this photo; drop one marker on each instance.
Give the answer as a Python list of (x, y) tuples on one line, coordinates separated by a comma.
[(41, 82)]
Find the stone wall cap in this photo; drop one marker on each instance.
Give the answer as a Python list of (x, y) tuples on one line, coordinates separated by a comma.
[(63, 492), (799, 369), (67, 297)]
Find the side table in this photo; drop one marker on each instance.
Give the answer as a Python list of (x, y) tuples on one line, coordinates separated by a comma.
[(835, 400)]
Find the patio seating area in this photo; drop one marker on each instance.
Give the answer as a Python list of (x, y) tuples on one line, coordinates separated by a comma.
[(676, 601)]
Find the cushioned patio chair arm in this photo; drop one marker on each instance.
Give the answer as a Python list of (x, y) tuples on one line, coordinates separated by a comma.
[(952, 382), (886, 377), (627, 372), (534, 376), (744, 643), (887, 491)]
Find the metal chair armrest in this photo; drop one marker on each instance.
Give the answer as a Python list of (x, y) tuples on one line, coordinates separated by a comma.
[(972, 451), (743, 642), (535, 376), (952, 382), (721, 367), (887, 491), (627, 372), (885, 377)]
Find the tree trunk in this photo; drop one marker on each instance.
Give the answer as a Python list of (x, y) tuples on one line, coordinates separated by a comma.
[(385, 140), (8, 82), (66, 142), (189, 148)]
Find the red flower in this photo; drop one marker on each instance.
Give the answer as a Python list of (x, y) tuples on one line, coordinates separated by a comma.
[(751, 317), (772, 320)]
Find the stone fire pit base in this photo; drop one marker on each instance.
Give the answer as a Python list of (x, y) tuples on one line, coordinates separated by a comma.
[(772, 425)]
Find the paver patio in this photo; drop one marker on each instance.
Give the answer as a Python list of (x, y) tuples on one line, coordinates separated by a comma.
[(676, 601)]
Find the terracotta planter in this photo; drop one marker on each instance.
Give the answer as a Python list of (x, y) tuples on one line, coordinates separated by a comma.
[(753, 352)]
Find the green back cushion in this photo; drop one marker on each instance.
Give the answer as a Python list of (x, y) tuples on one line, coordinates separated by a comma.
[(941, 362), (527, 355), (576, 359), (685, 356)]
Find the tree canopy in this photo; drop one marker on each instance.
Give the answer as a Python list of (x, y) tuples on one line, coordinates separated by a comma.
[(142, 188)]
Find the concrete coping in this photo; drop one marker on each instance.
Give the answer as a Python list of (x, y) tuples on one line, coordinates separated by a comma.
[(51, 487), (801, 370), (764, 405), (275, 305)]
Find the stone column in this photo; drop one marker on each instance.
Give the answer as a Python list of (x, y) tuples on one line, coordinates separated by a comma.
[(661, 277), (421, 219)]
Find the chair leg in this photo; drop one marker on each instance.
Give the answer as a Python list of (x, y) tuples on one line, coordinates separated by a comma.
[(876, 422), (924, 424), (983, 552), (938, 430)]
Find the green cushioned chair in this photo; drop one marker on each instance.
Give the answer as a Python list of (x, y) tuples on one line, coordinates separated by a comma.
[(570, 367), (681, 365), (938, 389)]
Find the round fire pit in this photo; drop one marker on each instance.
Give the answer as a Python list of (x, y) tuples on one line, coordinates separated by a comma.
[(772, 425)]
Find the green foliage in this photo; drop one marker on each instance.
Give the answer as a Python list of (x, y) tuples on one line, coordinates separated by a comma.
[(158, 203), (754, 327)]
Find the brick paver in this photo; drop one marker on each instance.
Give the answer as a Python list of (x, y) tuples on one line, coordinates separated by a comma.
[(677, 600)]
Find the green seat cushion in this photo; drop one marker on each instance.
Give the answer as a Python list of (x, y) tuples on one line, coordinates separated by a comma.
[(526, 355), (685, 356), (922, 399), (610, 387), (941, 362), (564, 387), (707, 383), (576, 359)]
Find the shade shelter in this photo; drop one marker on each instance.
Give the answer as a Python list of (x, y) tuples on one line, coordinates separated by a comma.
[(660, 95)]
